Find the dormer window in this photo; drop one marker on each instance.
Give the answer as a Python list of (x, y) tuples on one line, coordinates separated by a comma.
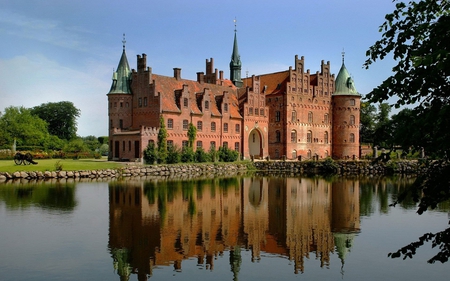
[(225, 107), (206, 105)]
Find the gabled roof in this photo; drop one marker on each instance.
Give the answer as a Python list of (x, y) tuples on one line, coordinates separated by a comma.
[(275, 83), (166, 87)]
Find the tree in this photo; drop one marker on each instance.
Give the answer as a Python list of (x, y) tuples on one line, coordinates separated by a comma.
[(18, 123), (417, 35), (383, 132), (61, 118), (192, 135), (367, 120), (162, 141)]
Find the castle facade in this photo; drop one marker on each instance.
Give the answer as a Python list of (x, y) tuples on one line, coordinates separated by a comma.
[(292, 114)]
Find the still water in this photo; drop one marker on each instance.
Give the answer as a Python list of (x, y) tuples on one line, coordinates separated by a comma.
[(241, 228)]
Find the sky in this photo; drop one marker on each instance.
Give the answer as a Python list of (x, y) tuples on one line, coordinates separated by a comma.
[(57, 50)]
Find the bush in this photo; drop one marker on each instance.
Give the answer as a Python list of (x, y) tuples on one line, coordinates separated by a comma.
[(150, 154), (201, 155), (187, 155), (227, 155), (173, 155)]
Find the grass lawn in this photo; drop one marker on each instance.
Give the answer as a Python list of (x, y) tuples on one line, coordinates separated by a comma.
[(67, 165)]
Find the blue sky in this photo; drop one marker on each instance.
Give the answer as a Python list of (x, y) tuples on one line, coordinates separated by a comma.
[(56, 50)]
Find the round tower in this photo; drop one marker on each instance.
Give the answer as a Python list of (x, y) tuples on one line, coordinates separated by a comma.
[(346, 114)]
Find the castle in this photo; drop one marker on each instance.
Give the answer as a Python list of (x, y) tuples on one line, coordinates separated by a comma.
[(292, 114)]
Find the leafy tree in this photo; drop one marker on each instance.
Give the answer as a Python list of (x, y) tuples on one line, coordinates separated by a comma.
[(187, 155), (383, 131), (367, 119), (417, 35), (61, 118), (18, 123), (162, 141), (92, 142), (104, 149), (76, 146)]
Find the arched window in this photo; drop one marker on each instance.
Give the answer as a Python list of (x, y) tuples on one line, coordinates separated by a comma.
[(325, 137), (309, 154), (225, 107), (352, 102), (199, 126), (309, 137), (294, 116), (169, 123), (277, 136), (185, 124), (213, 126), (326, 118), (310, 117), (225, 127), (294, 154), (352, 119), (352, 138), (206, 104), (293, 136)]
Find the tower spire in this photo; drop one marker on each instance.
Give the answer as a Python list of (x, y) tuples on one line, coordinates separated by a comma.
[(235, 64)]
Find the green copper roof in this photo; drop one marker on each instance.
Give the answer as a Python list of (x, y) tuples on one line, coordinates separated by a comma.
[(235, 64), (121, 77), (344, 83)]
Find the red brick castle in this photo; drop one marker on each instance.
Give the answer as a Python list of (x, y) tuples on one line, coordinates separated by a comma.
[(287, 114)]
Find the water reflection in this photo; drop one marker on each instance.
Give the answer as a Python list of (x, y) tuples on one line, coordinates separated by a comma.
[(157, 223)]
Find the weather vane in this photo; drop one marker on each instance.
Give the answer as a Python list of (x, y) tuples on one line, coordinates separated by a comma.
[(343, 55), (235, 24), (124, 41)]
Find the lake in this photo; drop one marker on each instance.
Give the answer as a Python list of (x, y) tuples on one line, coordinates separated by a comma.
[(238, 228)]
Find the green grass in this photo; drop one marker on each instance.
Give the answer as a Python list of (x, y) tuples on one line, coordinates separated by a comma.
[(67, 165)]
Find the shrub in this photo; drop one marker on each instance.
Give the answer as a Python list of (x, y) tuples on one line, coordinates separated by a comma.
[(227, 155), (150, 154), (201, 155), (173, 155), (187, 155)]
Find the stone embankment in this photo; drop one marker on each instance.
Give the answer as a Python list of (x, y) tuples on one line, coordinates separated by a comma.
[(360, 167), (177, 171)]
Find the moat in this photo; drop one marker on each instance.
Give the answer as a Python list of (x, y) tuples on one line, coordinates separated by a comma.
[(234, 228)]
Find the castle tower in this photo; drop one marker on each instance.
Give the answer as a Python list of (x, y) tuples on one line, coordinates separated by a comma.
[(235, 64), (120, 101), (346, 115)]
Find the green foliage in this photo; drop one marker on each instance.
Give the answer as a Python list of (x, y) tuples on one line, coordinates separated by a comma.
[(103, 139), (367, 120), (173, 154), (187, 155), (76, 147), (202, 156), (104, 149), (18, 123), (329, 166), (227, 155), (92, 142), (213, 154), (383, 132), (192, 135), (60, 117), (52, 142), (150, 153), (162, 141)]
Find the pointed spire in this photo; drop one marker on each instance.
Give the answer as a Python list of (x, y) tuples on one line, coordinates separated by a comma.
[(235, 64), (122, 76), (344, 84)]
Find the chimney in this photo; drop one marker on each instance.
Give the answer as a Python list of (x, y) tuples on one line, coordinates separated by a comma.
[(221, 75), (200, 77), (177, 73)]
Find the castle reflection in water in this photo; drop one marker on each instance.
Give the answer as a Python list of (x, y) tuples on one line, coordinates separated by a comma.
[(154, 223)]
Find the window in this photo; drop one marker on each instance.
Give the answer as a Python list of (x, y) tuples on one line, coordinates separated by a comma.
[(185, 102), (261, 112), (140, 102), (123, 145), (309, 137), (237, 128), (352, 119), (212, 145), (206, 105), (325, 137), (250, 111), (352, 102), (294, 154), (169, 123), (145, 102), (277, 153), (225, 144), (309, 154), (326, 119), (236, 146), (213, 126), (294, 116), (121, 104), (352, 138), (199, 125), (277, 116), (199, 144), (185, 125), (225, 127), (277, 136), (310, 117), (169, 143), (121, 123), (293, 136), (129, 145), (225, 107), (184, 144)]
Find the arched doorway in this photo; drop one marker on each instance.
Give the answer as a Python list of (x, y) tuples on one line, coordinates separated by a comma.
[(254, 143)]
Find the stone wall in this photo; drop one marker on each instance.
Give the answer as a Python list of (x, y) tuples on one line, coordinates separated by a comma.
[(181, 171)]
